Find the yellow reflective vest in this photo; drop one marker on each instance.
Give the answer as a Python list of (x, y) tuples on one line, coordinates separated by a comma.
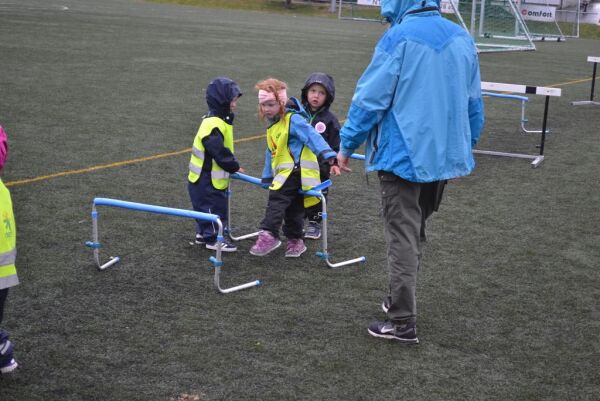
[(282, 162), (219, 177), (8, 241)]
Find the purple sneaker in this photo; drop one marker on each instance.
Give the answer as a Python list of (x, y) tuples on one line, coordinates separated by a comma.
[(265, 244), (295, 248)]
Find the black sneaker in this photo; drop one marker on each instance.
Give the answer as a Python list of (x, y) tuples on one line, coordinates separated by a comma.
[(7, 362), (313, 231), (405, 333), (227, 246), (199, 240)]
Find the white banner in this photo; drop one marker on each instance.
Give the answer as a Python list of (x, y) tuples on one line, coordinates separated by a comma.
[(538, 13), (369, 3)]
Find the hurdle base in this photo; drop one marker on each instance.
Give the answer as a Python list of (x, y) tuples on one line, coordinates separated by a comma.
[(537, 159), (113, 260), (245, 236), (585, 102)]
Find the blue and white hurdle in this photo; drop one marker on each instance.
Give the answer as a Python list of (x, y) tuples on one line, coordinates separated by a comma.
[(142, 207), (594, 60), (523, 100), (524, 89), (315, 191)]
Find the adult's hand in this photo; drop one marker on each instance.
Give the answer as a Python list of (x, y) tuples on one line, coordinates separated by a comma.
[(343, 162)]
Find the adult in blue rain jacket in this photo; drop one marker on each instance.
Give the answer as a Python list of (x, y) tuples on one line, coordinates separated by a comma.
[(419, 109)]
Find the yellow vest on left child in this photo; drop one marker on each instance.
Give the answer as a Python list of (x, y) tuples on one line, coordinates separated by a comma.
[(219, 177), (8, 240)]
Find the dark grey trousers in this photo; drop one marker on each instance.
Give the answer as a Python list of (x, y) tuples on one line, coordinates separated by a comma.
[(406, 206), (286, 205)]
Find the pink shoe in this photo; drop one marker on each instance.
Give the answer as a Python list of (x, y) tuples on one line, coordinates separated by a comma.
[(265, 244), (295, 248)]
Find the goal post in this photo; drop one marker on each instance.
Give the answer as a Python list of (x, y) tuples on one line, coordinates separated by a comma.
[(360, 10)]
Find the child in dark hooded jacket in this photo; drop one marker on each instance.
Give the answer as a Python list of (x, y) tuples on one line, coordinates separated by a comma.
[(212, 161), (317, 95)]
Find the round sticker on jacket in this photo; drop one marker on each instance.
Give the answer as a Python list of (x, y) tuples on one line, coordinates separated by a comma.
[(320, 127)]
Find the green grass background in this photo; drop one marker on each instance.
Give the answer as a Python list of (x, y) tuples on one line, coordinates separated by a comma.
[(508, 292)]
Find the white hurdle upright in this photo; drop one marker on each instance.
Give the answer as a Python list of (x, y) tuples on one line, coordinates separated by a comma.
[(316, 191), (524, 89), (142, 207), (594, 60)]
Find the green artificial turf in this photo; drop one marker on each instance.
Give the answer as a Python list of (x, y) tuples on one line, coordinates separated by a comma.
[(509, 285)]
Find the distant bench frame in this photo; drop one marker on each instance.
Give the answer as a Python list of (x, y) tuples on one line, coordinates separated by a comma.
[(490, 87), (595, 60)]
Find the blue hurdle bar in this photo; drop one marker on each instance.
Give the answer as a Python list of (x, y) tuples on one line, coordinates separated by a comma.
[(142, 207), (315, 191)]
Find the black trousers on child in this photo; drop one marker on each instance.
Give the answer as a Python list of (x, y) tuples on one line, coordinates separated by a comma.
[(207, 199), (286, 205), (3, 294)]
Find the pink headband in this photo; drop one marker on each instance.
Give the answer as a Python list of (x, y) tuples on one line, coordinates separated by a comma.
[(264, 96)]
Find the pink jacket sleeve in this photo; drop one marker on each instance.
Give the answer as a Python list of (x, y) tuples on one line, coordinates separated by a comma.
[(3, 147)]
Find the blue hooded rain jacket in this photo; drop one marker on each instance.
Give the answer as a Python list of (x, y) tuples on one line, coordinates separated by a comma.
[(418, 104)]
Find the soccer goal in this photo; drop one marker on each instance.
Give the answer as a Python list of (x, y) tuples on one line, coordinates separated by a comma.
[(495, 25), (360, 10), (568, 17)]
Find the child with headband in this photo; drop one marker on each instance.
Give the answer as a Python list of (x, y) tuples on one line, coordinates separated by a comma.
[(292, 157)]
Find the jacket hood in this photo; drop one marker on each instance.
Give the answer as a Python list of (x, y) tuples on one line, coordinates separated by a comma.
[(323, 79), (394, 10), (293, 104), (219, 94)]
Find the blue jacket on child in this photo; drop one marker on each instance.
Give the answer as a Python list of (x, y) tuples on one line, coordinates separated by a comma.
[(301, 134)]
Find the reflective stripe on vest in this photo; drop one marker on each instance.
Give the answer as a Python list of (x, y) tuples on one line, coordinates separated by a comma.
[(219, 177), (282, 162), (8, 258), (8, 232), (198, 153)]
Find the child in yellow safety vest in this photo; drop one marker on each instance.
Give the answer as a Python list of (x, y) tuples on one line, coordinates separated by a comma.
[(8, 254), (212, 161), (292, 157)]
